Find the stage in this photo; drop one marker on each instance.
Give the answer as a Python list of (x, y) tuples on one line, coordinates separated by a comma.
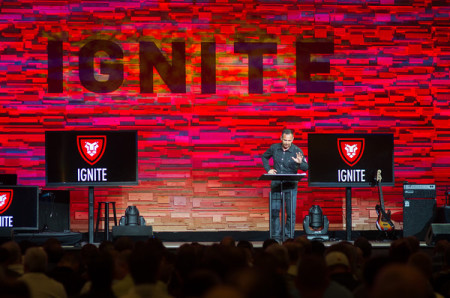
[(173, 240), (39, 238)]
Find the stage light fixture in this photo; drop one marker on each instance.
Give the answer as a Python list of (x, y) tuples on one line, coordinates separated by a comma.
[(132, 217), (316, 224)]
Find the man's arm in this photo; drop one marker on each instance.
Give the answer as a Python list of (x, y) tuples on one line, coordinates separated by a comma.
[(303, 165), (265, 158), (300, 159)]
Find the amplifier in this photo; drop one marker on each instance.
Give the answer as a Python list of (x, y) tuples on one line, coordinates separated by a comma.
[(418, 214), (419, 191)]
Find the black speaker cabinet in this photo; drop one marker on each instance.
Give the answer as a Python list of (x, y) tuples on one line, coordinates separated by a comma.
[(8, 179), (54, 211), (418, 214), (438, 231), (136, 233)]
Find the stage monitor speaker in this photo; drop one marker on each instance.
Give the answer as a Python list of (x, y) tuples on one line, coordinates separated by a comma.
[(6, 234), (438, 231), (418, 214), (54, 211), (136, 233)]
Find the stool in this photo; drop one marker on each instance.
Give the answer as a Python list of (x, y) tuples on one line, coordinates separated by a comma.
[(106, 217)]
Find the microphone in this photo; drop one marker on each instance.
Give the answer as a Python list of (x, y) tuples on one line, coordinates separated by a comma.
[(47, 195), (51, 196)]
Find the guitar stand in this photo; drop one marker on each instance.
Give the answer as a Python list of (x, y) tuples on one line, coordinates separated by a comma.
[(386, 235)]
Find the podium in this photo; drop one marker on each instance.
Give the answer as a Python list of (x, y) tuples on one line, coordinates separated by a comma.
[(283, 178)]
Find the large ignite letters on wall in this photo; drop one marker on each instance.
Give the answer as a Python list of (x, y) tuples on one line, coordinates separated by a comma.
[(208, 86)]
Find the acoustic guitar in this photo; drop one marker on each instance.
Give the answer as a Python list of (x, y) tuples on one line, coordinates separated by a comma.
[(384, 222)]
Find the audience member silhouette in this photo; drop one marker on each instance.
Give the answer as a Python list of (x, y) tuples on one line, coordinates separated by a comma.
[(68, 272), (371, 268), (145, 263), (101, 271), (313, 281), (39, 284), (401, 280), (13, 266), (339, 270), (54, 251)]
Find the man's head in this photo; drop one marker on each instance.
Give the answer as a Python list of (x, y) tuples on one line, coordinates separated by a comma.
[(14, 252), (287, 137), (337, 262), (35, 260)]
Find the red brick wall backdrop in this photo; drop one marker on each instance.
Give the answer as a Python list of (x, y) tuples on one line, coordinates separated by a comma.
[(199, 154)]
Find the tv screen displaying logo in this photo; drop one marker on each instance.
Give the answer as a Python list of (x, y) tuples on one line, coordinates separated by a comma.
[(91, 157), (19, 207), (350, 160)]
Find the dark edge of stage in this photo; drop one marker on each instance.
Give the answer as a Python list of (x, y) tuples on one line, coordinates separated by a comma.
[(78, 239), (216, 236)]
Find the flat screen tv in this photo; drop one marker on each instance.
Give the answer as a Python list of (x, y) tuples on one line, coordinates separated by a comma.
[(350, 160), (91, 158), (19, 207)]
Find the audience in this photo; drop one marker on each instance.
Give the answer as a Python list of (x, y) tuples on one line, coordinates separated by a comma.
[(39, 284), (370, 270), (122, 282), (248, 249), (340, 271), (14, 289), (145, 268), (365, 246), (100, 272), (68, 272), (295, 252), (401, 280), (13, 267), (313, 280), (54, 252), (298, 268), (441, 277)]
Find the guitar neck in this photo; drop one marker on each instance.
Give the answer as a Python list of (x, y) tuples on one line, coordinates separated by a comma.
[(384, 222), (381, 196)]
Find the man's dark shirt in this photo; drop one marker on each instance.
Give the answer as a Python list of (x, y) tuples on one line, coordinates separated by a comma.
[(283, 162)]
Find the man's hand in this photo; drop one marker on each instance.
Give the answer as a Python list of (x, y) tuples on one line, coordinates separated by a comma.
[(299, 158), (272, 171)]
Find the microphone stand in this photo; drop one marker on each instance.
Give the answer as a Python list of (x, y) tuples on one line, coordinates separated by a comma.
[(52, 202)]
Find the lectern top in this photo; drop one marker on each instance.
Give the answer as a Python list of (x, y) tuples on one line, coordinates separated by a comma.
[(283, 177)]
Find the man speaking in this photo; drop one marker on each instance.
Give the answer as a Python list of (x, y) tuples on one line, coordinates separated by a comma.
[(287, 159)]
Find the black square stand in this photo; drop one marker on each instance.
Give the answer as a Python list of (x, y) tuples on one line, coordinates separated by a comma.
[(282, 178)]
